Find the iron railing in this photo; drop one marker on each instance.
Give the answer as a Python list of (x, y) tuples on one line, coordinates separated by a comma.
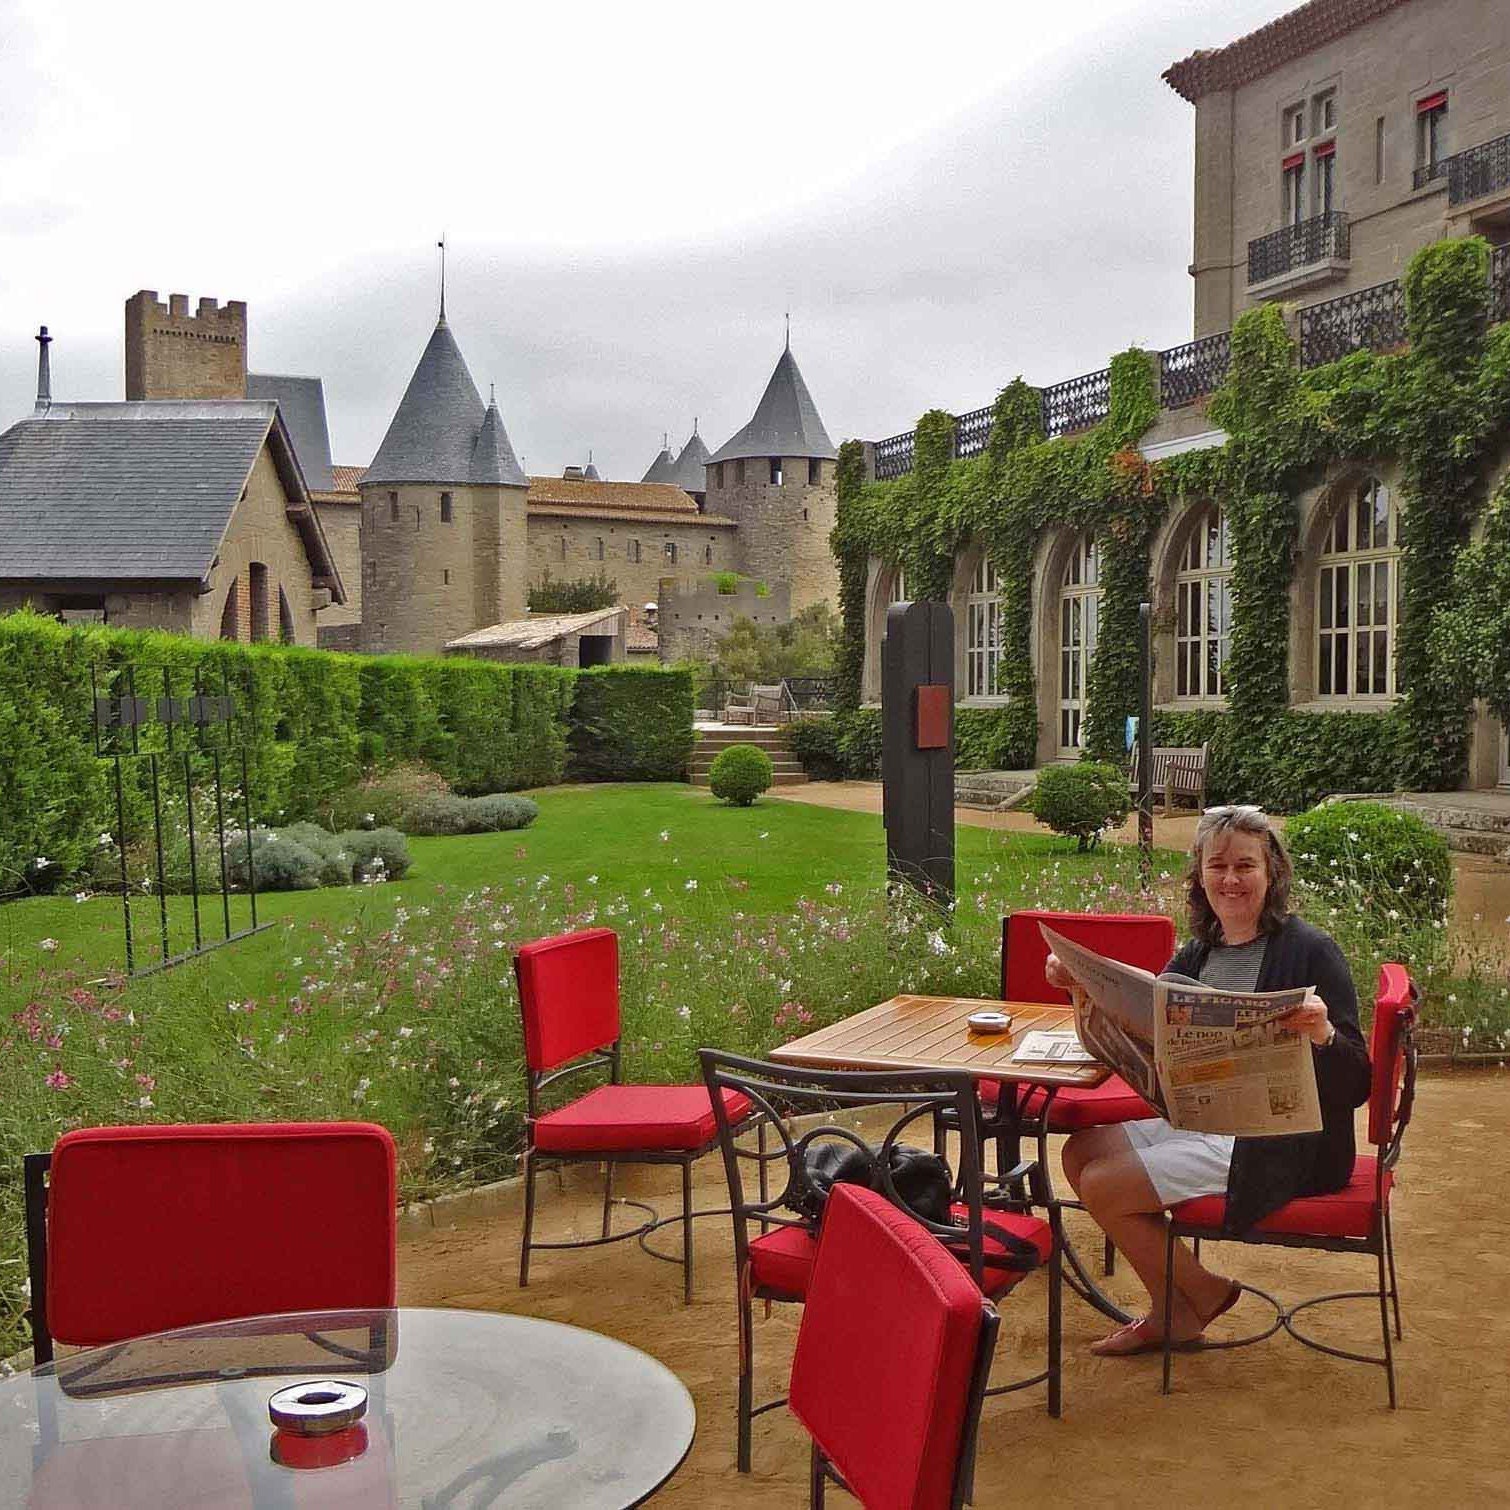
[(1479, 171), (972, 431), (1077, 404), (1369, 318), (809, 694), (1430, 173), (1188, 372), (1322, 238), (893, 456)]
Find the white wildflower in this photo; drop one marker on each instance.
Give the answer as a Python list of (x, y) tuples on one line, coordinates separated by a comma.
[(48, 946)]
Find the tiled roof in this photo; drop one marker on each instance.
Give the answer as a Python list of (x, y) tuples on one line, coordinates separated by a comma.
[(347, 479), (532, 633), (785, 422), (631, 516), (641, 639), (578, 491), (302, 402), (1281, 41)]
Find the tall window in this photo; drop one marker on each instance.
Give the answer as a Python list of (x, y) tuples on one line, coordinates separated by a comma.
[(775, 471), (898, 588), (1358, 597), (708, 554), (598, 550), (445, 508), (718, 475), (1379, 150), (1431, 130), (1324, 112), (1294, 126), (1295, 189), (1203, 609), (739, 473), (393, 508), (634, 550), (563, 547), (671, 550), (1326, 176), (814, 470), (1079, 608), (259, 606), (982, 631)]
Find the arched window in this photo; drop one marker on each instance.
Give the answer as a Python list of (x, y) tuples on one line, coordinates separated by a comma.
[(982, 631), (259, 604), (1358, 596), (898, 588), (1203, 608), (1079, 608), (230, 615)]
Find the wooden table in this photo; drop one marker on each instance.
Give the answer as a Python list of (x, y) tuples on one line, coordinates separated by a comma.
[(931, 1033)]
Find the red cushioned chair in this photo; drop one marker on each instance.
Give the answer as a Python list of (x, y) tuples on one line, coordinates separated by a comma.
[(998, 1244), (131, 1230), (892, 1359), (1143, 939), (569, 996), (1354, 1219)]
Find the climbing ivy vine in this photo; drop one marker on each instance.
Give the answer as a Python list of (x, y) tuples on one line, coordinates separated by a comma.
[(1437, 410)]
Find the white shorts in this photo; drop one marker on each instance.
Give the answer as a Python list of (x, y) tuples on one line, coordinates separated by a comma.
[(1180, 1165)]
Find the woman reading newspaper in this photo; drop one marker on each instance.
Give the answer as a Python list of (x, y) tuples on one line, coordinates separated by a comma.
[(1244, 938)]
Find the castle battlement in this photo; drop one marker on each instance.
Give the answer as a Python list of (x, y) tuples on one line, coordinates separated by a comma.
[(171, 353)]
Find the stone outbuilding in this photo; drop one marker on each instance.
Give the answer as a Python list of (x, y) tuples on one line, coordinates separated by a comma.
[(576, 639)]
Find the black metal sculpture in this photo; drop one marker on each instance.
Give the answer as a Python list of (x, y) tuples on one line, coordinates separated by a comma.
[(205, 725)]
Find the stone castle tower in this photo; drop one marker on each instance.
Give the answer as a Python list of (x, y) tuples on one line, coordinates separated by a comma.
[(776, 479), (173, 354), (443, 513)]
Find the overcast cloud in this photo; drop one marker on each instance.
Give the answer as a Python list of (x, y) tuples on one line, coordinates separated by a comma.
[(632, 198)]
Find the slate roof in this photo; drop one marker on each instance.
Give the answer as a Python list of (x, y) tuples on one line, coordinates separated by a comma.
[(592, 474), (532, 633), (691, 471), (302, 402), (493, 459), (785, 422), (436, 428), (1289, 37), (661, 468), (139, 491)]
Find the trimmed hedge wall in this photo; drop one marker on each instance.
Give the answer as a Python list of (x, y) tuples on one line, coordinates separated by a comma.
[(315, 720), (631, 723)]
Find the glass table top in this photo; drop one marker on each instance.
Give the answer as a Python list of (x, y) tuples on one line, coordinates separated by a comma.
[(465, 1409)]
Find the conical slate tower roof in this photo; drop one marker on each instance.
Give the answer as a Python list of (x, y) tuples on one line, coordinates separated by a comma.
[(690, 473), (785, 422), (661, 468), (592, 474), (437, 427), (493, 461)]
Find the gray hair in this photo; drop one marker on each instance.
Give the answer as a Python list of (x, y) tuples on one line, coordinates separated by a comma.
[(1216, 826)]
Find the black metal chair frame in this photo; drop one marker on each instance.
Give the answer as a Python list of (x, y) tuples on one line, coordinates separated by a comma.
[(536, 1082), (1379, 1245), (776, 1091), (822, 1470)]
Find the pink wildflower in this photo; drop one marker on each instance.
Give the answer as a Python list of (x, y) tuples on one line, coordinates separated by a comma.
[(58, 1080)]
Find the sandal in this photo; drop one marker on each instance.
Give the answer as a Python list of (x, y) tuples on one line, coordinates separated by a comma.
[(1141, 1342), (1234, 1294)]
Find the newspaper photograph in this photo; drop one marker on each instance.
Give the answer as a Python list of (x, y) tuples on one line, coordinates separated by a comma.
[(1209, 1060)]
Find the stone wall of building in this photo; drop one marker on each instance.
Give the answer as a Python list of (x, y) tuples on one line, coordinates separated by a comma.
[(632, 553), (342, 523), (261, 536), (1378, 72), (783, 527), (427, 578), (173, 354), (694, 616)]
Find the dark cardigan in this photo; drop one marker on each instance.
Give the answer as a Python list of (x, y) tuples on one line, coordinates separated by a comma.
[(1267, 1172)]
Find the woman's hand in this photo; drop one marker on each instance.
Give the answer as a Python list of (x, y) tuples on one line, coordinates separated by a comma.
[(1309, 1019)]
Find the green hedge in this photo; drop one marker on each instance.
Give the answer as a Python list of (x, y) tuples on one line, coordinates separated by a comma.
[(312, 722), (847, 747), (631, 723)]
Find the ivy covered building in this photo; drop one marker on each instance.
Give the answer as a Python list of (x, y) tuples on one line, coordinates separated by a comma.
[(1296, 491)]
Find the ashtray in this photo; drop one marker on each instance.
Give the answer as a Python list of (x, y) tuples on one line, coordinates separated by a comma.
[(990, 1022), (318, 1409)]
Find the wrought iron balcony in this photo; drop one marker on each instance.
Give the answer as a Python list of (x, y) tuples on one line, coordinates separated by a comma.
[(1199, 367), (1370, 318), (1077, 404), (1478, 171), (1293, 248), (1430, 173), (893, 457), (972, 431)]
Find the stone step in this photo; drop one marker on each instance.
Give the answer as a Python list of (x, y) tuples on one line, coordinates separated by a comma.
[(788, 766), (1476, 841), (1446, 815), (757, 737), (992, 791), (778, 778)]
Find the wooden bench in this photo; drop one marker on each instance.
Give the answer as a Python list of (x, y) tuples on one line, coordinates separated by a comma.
[(762, 705), (1178, 771)]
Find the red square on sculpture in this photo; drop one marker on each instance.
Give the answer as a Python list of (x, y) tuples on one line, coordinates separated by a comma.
[(934, 708)]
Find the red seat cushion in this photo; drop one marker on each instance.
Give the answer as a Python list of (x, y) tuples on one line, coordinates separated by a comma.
[(1078, 1106), (621, 1118), (150, 1228), (781, 1260), (882, 1369), (1348, 1212)]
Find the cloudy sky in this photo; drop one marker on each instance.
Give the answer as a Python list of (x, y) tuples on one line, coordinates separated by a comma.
[(632, 198)]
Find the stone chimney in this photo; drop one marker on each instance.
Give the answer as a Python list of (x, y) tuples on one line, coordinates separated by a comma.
[(44, 372)]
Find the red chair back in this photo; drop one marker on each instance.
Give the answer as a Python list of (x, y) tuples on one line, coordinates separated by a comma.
[(891, 1342), (1133, 938), (569, 995), (150, 1228), (1394, 1015)]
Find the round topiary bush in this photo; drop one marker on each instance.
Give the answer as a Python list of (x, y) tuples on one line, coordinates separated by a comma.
[(378, 854), (438, 813), (1082, 800), (277, 863), (740, 774), (326, 847), (1387, 866), (498, 812)]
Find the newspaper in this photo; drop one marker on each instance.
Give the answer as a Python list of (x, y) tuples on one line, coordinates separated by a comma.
[(1209, 1061)]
